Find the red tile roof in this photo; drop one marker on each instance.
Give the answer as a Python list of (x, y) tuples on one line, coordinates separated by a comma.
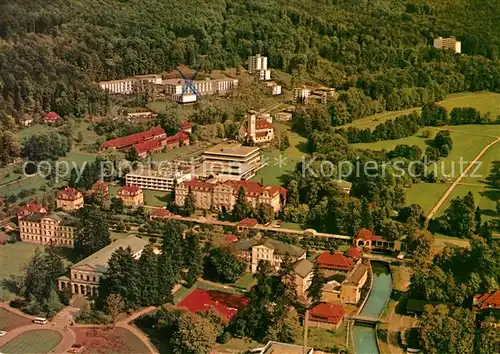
[(148, 146), (100, 186), (486, 301), (179, 137), (227, 305), (367, 235), (161, 213), (31, 208), (185, 125), (353, 252), (51, 117), (261, 124), (198, 185), (247, 222), (326, 312), (69, 194), (129, 190), (126, 141), (336, 261), (230, 239), (251, 188)]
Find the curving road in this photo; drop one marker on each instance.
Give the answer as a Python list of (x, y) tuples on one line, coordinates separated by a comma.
[(457, 181)]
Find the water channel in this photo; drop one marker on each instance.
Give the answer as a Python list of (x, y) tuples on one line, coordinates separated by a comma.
[(365, 341)]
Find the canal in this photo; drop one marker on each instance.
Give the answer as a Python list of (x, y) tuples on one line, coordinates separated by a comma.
[(365, 341)]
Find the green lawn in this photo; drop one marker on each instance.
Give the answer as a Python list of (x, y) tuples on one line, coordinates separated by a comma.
[(33, 130), (180, 294), (468, 141), (271, 173), (245, 282), (154, 198), (482, 101), (322, 339), (38, 341), (13, 257)]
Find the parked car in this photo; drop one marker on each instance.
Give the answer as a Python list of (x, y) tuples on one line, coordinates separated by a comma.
[(2, 333)]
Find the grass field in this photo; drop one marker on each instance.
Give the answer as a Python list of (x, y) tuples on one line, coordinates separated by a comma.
[(483, 101), (13, 257), (33, 130), (322, 339), (271, 173), (10, 320), (468, 141), (38, 341)]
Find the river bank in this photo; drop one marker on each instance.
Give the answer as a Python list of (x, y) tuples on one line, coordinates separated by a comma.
[(365, 339)]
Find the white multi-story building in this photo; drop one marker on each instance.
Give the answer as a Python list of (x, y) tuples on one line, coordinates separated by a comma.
[(173, 88), (450, 43), (257, 64), (163, 180), (301, 95), (231, 161), (126, 86)]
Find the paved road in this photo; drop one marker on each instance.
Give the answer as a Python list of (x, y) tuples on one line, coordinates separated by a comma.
[(59, 324), (457, 181)]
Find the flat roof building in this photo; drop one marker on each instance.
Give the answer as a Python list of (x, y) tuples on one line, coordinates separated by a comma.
[(257, 64), (173, 88), (449, 43), (158, 180), (231, 161)]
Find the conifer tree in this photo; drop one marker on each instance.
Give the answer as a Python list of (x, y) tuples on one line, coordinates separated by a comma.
[(148, 277), (92, 232), (241, 207), (190, 204), (193, 259)]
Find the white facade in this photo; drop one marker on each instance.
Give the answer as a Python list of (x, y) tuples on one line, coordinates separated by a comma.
[(173, 88), (157, 181), (231, 161), (257, 63), (448, 43), (126, 86)]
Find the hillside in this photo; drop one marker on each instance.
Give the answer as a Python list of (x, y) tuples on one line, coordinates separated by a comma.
[(52, 51)]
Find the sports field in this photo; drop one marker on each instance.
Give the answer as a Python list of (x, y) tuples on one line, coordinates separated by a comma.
[(483, 101), (38, 341)]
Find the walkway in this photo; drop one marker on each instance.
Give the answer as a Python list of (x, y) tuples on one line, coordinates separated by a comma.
[(140, 334), (365, 319), (457, 181), (60, 324)]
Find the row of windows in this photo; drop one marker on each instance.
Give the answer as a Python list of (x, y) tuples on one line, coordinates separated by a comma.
[(47, 240), (84, 277)]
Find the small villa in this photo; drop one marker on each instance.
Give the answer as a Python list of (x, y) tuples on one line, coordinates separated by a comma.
[(368, 240)]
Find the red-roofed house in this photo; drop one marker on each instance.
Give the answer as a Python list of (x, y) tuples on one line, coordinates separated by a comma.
[(486, 301), (326, 315), (26, 120), (334, 261), (223, 195), (30, 208), (246, 223), (227, 305), (354, 253), (161, 214), (101, 187), (130, 140), (69, 199), (185, 126), (51, 117), (230, 239), (367, 239), (131, 195)]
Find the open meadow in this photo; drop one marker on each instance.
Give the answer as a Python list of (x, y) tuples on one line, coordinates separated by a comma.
[(40, 341)]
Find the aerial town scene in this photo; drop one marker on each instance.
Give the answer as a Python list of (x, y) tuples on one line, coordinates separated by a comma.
[(264, 176)]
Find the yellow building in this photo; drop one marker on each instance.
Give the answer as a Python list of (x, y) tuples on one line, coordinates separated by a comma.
[(69, 200), (223, 195), (85, 275), (274, 252), (45, 228), (130, 195), (348, 289), (449, 43)]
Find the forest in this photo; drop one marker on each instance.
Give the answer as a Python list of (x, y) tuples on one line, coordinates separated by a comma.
[(378, 52)]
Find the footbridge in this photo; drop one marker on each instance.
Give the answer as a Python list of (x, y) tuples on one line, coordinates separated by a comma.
[(366, 319)]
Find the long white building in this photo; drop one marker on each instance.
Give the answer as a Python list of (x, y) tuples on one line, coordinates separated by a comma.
[(126, 86), (163, 180), (173, 88)]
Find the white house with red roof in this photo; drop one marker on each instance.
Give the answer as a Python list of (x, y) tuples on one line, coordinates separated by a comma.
[(51, 117), (185, 126), (160, 214), (30, 208), (335, 261), (69, 199)]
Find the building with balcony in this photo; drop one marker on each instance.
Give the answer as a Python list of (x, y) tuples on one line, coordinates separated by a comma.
[(130, 85), (301, 95), (449, 43), (231, 161), (69, 200), (257, 65), (174, 87), (85, 275), (163, 180)]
